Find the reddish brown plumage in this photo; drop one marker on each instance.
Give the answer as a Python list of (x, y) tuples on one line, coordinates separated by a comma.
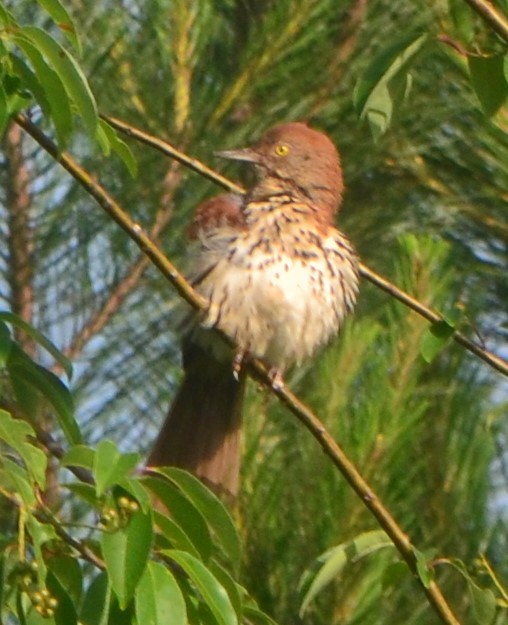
[(279, 278)]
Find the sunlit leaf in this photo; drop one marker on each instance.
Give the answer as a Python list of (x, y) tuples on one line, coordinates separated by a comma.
[(435, 339), (50, 387), (54, 90), (110, 465), (111, 140), (158, 598), (63, 19), (212, 592), (329, 565), (16, 434), (184, 513), (212, 509), (385, 83), (39, 338), (79, 456), (125, 553), (70, 73)]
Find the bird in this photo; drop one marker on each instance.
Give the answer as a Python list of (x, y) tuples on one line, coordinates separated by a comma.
[(279, 280)]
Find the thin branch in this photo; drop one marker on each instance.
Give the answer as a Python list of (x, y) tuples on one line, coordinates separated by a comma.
[(491, 15), (487, 356), (45, 516), (302, 412), (169, 150)]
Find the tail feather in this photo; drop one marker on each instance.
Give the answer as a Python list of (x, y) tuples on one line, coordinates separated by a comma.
[(202, 430)]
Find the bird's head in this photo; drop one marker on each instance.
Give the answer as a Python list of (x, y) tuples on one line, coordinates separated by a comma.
[(295, 159)]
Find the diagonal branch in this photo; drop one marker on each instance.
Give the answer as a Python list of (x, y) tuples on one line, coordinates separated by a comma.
[(487, 356), (400, 540), (492, 16)]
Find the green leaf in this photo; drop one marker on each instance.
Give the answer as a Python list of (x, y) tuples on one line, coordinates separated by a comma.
[(488, 81), (212, 509), (233, 589), (422, 568), (70, 73), (483, 602), (330, 564), (63, 20), (136, 490), (15, 478), (435, 338), (50, 387), (15, 433), (84, 491), (6, 17), (30, 82), (39, 338), (110, 465), (158, 598), (385, 83), (95, 609), (183, 513), (4, 111), (125, 553), (462, 19), (109, 139), (5, 344), (213, 593), (41, 533), (54, 91), (69, 575), (79, 456), (66, 610), (174, 534)]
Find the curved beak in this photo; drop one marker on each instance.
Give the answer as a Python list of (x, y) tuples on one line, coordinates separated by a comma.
[(246, 154)]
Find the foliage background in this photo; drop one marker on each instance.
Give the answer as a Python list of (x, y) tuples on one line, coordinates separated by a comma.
[(425, 206)]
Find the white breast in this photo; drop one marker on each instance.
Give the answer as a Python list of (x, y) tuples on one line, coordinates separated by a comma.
[(282, 298)]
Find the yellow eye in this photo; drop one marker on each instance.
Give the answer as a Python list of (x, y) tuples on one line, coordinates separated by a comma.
[(281, 149)]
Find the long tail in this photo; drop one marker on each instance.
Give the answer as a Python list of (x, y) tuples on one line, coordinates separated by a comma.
[(202, 430)]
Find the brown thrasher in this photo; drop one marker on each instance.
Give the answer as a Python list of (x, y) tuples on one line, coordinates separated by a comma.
[(279, 279)]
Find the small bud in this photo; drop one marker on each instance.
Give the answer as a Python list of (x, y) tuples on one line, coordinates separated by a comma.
[(52, 603), (133, 506)]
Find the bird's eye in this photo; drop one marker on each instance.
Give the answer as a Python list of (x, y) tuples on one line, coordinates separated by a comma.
[(281, 149)]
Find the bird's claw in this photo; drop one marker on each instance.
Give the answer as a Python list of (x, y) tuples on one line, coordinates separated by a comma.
[(238, 360), (276, 379)]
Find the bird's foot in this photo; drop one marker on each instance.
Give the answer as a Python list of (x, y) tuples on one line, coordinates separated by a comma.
[(276, 379), (241, 356)]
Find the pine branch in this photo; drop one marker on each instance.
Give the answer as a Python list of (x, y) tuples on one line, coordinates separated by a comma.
[(256, 368), (487, 356)]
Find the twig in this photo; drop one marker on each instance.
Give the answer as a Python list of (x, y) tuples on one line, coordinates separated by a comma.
[(169, 150), (493, 16), (302, 412), (487, 356), (45, 516)]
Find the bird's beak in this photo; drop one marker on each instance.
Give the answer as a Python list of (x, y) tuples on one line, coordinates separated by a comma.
[(245, 154)]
